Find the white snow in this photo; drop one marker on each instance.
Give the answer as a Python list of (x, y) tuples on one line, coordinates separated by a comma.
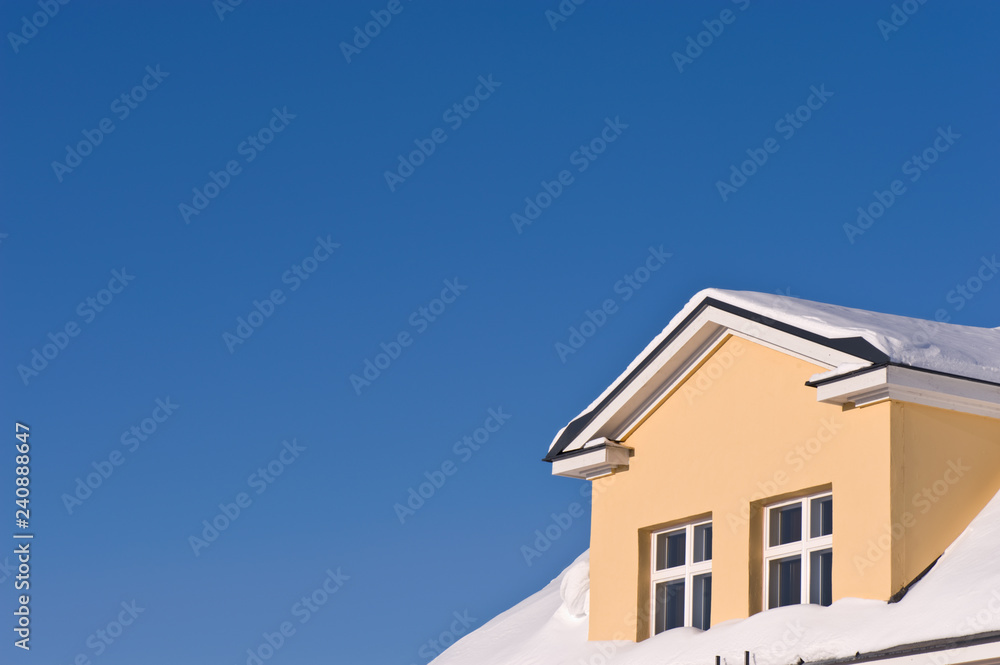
[(943, 347), (575, 589), (959, 596)]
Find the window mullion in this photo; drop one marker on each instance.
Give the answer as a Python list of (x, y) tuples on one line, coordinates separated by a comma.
[(688, 577)]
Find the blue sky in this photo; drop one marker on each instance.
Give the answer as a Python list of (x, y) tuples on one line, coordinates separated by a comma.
[(267, 92)]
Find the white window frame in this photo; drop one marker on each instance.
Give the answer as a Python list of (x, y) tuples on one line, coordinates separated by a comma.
[(686, 572), (803, 548)]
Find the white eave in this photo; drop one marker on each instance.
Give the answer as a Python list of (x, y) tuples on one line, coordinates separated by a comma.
[(906, 384), (598, 458)]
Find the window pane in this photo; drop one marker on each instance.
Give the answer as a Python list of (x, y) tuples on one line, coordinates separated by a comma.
[(670, 549), (786, 524), (676, 544), (703, 543), (821, 577), (669, 605), (822, 517), (661, 551), (701, 604), (785, 582)]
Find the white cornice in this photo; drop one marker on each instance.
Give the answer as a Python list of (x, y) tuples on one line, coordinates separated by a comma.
[(911, 385), (602, 458)]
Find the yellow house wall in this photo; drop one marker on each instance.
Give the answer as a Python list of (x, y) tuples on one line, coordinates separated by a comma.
[(742, 429), (950, 469)]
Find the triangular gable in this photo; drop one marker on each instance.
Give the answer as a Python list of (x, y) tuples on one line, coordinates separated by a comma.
[(654, 373), (860, 371)]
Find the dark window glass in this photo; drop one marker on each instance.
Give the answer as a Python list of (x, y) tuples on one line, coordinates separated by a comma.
[(785, 582), (670, 549), (786, 524), (821, 577), (702, 543), (821, 518), (701, 605), (669, 605)]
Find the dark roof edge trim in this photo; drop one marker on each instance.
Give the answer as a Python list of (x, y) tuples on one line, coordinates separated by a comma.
[(584, 451), (855, 346), (915, 648), (872, 368), (899, 595)]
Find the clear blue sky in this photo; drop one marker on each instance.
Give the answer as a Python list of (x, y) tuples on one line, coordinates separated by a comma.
[(606, 68)]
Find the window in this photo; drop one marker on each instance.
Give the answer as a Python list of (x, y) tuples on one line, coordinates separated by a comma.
[(798, 552), (681, 591)]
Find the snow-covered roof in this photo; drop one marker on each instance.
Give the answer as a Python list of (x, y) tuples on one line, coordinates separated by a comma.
[(958, 598), (949, 348), (863, 339)]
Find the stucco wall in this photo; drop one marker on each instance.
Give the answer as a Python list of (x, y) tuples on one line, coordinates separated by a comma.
[(742, 428), (950, 469)]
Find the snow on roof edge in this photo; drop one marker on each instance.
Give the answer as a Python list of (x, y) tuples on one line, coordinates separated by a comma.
[(950, 348)]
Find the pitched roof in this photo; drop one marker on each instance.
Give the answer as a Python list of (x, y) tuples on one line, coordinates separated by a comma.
[(845, 339)]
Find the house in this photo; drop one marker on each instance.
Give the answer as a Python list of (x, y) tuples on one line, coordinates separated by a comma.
[(766, 451)]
